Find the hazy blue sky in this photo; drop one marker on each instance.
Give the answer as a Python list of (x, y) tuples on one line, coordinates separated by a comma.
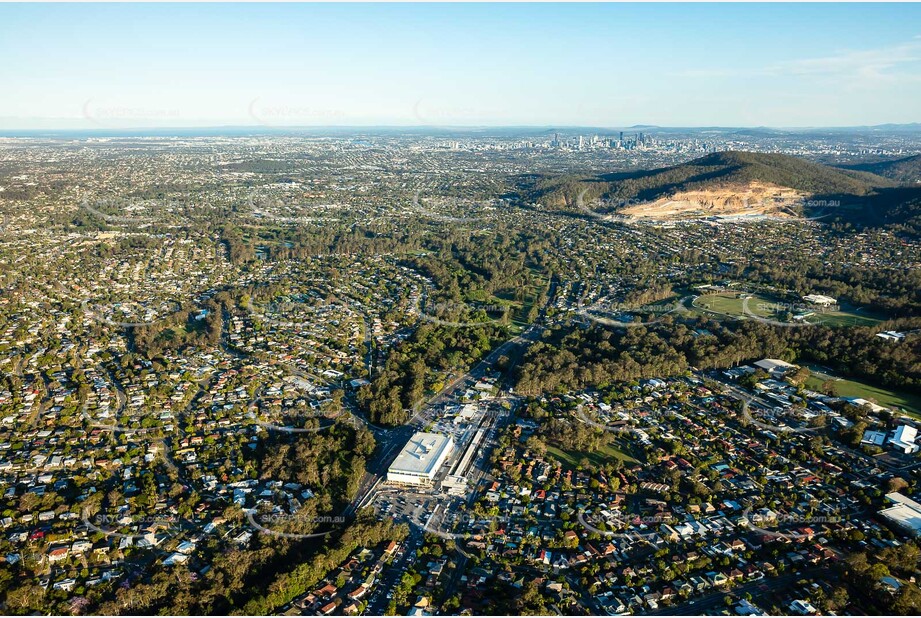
[(105, 65)]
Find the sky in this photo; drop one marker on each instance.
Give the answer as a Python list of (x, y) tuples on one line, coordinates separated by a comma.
[(108, 66)]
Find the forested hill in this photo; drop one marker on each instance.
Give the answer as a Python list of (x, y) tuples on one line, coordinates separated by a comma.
[(906, 170), (713, 171), (897, 209)]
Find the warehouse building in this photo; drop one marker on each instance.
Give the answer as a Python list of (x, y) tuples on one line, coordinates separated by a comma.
[(906, 513), (419, 461)]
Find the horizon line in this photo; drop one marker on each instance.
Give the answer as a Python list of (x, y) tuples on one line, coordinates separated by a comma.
[(5, 131)]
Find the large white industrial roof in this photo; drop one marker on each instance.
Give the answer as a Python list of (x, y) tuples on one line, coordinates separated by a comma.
[(421, 453)]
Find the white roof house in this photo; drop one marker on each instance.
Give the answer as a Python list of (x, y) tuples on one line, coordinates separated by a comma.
[(891, 335), (803, 608), (175, 558), (820, 299), (857, 401)]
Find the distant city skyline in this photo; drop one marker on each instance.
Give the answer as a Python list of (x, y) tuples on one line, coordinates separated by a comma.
[(105, 66)]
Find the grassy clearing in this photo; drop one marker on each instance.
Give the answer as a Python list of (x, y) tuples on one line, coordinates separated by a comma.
[(849, 318), (608, 452), (910, 402), (532, 294), (731, 304)]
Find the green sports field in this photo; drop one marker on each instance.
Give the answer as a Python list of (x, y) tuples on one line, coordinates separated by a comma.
[(732, 304), (910, 402)]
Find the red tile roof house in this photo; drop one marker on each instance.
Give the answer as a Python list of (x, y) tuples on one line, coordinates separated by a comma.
[(737, 545), (351, 565), (307, 601)]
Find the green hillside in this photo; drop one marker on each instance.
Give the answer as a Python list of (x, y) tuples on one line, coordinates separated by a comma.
[(709, 172), (906, 170)]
